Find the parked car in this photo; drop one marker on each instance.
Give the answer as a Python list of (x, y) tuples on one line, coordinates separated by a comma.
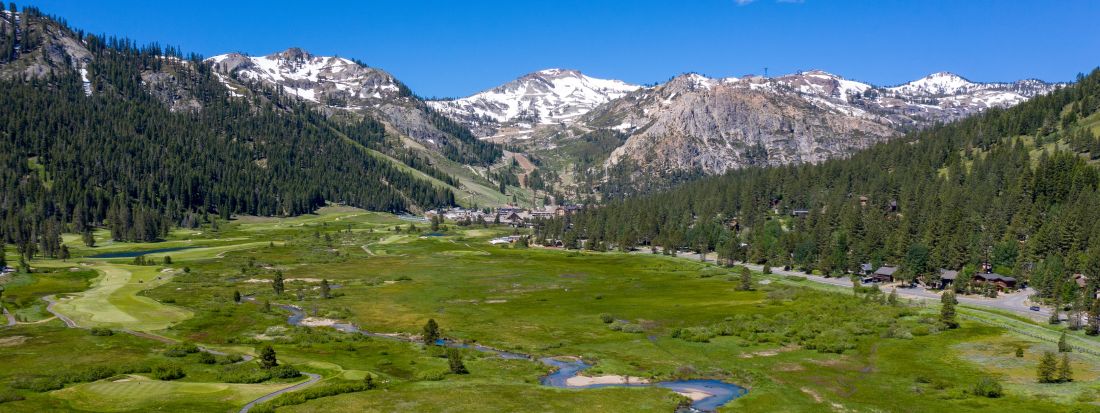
[(1034, 308)]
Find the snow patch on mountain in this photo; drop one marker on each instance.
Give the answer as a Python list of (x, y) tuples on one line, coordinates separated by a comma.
[(329, 80), (936, 84), (544, 97)]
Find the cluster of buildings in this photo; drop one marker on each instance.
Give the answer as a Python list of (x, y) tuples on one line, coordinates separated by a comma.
[(511, 215), (985, 275)]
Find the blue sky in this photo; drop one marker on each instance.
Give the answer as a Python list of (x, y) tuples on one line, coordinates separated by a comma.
[(455, 48)]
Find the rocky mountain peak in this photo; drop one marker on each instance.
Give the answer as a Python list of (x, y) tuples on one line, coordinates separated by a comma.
[(547, 96), (292, 53), (939, 83)]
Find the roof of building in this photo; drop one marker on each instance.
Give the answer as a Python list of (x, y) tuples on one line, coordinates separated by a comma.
[(885, 270), (992, 276)]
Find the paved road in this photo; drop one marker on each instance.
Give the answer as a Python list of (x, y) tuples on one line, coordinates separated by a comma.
[(1016, 302), (9, 316), (313, 378), (64, 318)]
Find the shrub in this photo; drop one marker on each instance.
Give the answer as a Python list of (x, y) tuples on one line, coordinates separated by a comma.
[(248, 373), (695, 334), (207, 358), (231, 359), (831, 341), (285, 371), (37, 384), (988, 387), (607, 318), (310, 393), (102, 331), (88, 374), (9, 396), (181, 350), (167, 372), (897, 331)]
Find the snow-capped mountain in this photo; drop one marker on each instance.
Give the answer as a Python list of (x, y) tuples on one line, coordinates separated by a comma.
[(695, 122), (936, 84), (341, 86), (329, 80), (549, 96)]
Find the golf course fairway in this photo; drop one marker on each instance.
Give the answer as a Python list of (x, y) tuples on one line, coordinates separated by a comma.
[(113, 300)]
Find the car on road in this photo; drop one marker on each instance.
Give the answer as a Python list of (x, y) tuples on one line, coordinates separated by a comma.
[(1034, 308)]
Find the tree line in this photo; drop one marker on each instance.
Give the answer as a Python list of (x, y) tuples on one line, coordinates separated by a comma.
[(122, 159)]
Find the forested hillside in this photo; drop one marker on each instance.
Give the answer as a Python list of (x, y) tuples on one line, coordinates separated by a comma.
[(1016, 188), (151, 139)]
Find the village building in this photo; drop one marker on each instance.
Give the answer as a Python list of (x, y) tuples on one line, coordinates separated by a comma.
[(543, 213), (884, 274), (866, 269), (947, 277), (1001, 282)]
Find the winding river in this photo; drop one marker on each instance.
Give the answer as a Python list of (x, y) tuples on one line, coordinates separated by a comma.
[(710, 394)]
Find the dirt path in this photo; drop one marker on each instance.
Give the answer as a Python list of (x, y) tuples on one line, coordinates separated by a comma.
[(313, 378)]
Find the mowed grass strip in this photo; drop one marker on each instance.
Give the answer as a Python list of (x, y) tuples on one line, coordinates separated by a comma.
[(113, 300), (140, 394)]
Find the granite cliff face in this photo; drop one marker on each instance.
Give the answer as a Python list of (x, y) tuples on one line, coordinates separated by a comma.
[(697, 123)]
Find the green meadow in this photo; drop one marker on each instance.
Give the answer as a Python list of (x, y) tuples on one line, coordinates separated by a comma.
[(794, 346)]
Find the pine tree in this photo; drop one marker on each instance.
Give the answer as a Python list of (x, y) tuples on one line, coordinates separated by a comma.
[(431, 332), (277, 283), (454, 359), (1065, 371), (368, 381), (267, 357), (1093, 327), (1048, 367), (892, 299), (236, 296), (947, 309), (746, 280), (1063, 346), (326, 291), (88, 238)]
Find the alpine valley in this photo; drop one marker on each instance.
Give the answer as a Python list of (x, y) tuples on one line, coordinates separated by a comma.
[(291, 232)]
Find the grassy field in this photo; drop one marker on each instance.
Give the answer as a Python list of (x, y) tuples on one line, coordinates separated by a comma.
[(795, 346)]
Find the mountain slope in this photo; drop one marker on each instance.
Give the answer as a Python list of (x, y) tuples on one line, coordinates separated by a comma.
[(694, 122), (548, 96), (142, 138), (343, 87), (1012, 188)]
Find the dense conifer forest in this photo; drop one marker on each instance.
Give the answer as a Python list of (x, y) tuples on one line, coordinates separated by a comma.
[(1013, 188), (119, 157)]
